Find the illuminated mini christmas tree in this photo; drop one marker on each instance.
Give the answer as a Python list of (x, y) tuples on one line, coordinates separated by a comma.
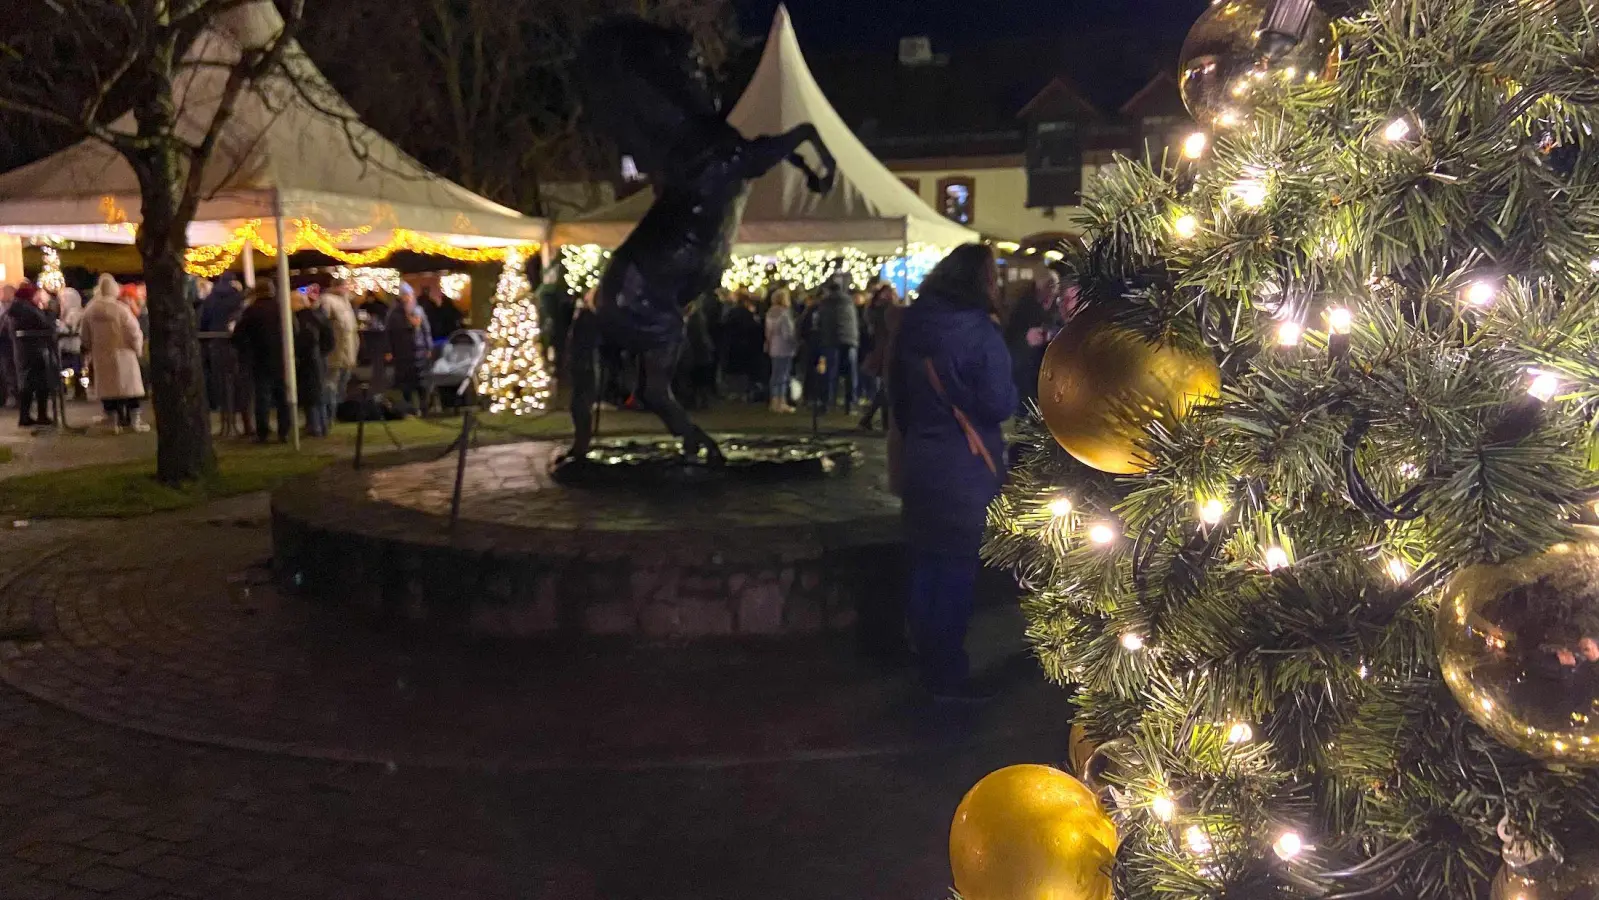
[(1328, 601), (517, 380)]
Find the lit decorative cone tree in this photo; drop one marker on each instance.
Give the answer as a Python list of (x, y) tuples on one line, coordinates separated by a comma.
[(1393, 266), (517, 381)]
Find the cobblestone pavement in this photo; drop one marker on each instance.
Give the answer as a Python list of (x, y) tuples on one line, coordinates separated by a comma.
[(91, 809)]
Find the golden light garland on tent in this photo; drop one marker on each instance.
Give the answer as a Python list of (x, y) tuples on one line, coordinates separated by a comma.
[(517, 380), (796, 267), (212, 260), (366, 279)]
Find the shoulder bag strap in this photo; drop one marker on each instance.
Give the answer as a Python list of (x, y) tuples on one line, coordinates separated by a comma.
[(973, 439)]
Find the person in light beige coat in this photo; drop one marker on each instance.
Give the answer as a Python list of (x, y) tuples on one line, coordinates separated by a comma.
[(113, 341)]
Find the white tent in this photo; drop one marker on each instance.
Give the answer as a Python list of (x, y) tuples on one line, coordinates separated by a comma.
[(868, 208), (293, 147)]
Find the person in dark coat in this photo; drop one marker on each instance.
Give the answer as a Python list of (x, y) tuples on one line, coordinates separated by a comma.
[(410, 347), (882, 317), (227, 383), (444, 319), (259, 339), (35, 331), (951, 388), (838, 335), (1034, 322), (313, 341)]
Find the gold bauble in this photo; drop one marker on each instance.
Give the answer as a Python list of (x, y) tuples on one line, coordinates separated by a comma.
[(1519, 646), (1222, 70), (1031, 833), (1101, 386)]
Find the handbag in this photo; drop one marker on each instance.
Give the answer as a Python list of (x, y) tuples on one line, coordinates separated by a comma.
[(896, 437)]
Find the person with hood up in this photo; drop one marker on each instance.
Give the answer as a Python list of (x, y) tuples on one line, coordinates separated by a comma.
[(113, 340), (951, 388), (838, 334), (35, 335)]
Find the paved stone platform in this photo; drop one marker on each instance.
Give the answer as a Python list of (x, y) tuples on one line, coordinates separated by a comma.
[(533, 558), (189, 639)]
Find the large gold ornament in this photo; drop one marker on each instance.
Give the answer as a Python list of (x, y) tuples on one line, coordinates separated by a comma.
[(1519, 646), (1100, 386), (1031, 833), (1224, 70)]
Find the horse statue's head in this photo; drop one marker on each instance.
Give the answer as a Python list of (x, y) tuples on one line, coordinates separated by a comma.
[(644, 87)]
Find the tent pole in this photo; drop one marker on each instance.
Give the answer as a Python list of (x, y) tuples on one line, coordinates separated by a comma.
[(249, 265), (290, 382)]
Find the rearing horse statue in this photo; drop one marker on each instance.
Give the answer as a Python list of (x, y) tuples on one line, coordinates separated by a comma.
[(644, 88)]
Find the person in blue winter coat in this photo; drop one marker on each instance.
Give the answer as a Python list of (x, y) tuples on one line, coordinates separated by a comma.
[(951, 388)]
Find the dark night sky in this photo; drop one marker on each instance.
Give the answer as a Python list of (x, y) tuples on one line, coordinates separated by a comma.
[(861, 24)]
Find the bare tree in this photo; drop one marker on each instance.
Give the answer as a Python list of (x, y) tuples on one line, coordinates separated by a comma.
[(78, 65)]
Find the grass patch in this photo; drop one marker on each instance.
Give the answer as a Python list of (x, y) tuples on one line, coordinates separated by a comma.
[(125, 490), (5, 454)]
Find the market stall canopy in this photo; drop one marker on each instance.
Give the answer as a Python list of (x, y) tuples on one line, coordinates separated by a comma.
[(869, 207), (291, 136)]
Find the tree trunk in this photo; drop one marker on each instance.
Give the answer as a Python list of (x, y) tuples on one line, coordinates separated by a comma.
[(177, 382)]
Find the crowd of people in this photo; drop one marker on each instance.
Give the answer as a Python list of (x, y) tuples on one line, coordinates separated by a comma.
[(45, 336)]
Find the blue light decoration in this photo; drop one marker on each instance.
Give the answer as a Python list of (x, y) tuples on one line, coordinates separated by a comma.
[(906, 272)]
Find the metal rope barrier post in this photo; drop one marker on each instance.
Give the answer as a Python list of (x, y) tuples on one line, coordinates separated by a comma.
[(360, 423), (468, 419)]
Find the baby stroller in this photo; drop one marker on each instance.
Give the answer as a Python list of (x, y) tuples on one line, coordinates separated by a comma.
[(450, 378)]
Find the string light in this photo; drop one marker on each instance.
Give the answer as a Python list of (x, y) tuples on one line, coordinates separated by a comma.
[(1211, 511), (1289, 333), (1240, 733), (1398, 570), (1060, 507), (517, 380), (1164, 807), (1195, 145), (1132, 642), (366, 279), (1102, 533), (50, 277), (1250, 192), (1481, 293), (1544, 387), (1409, 470), (209, 261), (1197, 840), (455, 285), (1276, 558), (1593, 266), (1186, 226), (1396, 130), (799, 268), (1340, 320), (1289, 845)]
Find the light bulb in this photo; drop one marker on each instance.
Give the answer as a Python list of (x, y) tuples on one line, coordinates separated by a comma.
[(1409, 470), (1249, 192), (1164, 807), (1276, 558), (1289, 333), (1211, 511), (1060, 507), (1289, 845), (1398, 570), (1593, 265), (1186, 226), (1340, 320), (1132, 642), (1364, 672), (1481, 293), (1240, 733), (1397, 130), (1197, 840), (1195, 145), (1544, 387), (1102, 533)]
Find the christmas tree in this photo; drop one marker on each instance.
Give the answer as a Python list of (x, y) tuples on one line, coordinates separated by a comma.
[(1325, 597), (517, 380)]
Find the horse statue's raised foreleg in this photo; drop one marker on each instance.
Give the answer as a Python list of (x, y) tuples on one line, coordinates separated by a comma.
[(764, 153)]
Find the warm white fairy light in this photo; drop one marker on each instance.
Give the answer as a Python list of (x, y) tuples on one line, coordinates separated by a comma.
[(1132, 642), (1398, 569), (1544, 387), (1102, 533), (1288, 846), (1396, 130), (1340, 320), (1211, 511), (1164, 807), (1228, 118), (50, 277), (1481, 293), (1240, 733), (1276, 558), (1195, 145), (1197, 840), (1185, 226), (1060, 507), (1250, 191), (369, 279), (582, 265), (1593, 266), (1289, 333), (517, 380), (1409, 470), (455, 285)]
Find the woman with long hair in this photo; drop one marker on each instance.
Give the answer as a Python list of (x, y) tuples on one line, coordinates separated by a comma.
[(951, 389), (782, 342)]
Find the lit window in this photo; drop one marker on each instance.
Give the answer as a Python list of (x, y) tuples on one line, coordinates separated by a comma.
[(957, 198)]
